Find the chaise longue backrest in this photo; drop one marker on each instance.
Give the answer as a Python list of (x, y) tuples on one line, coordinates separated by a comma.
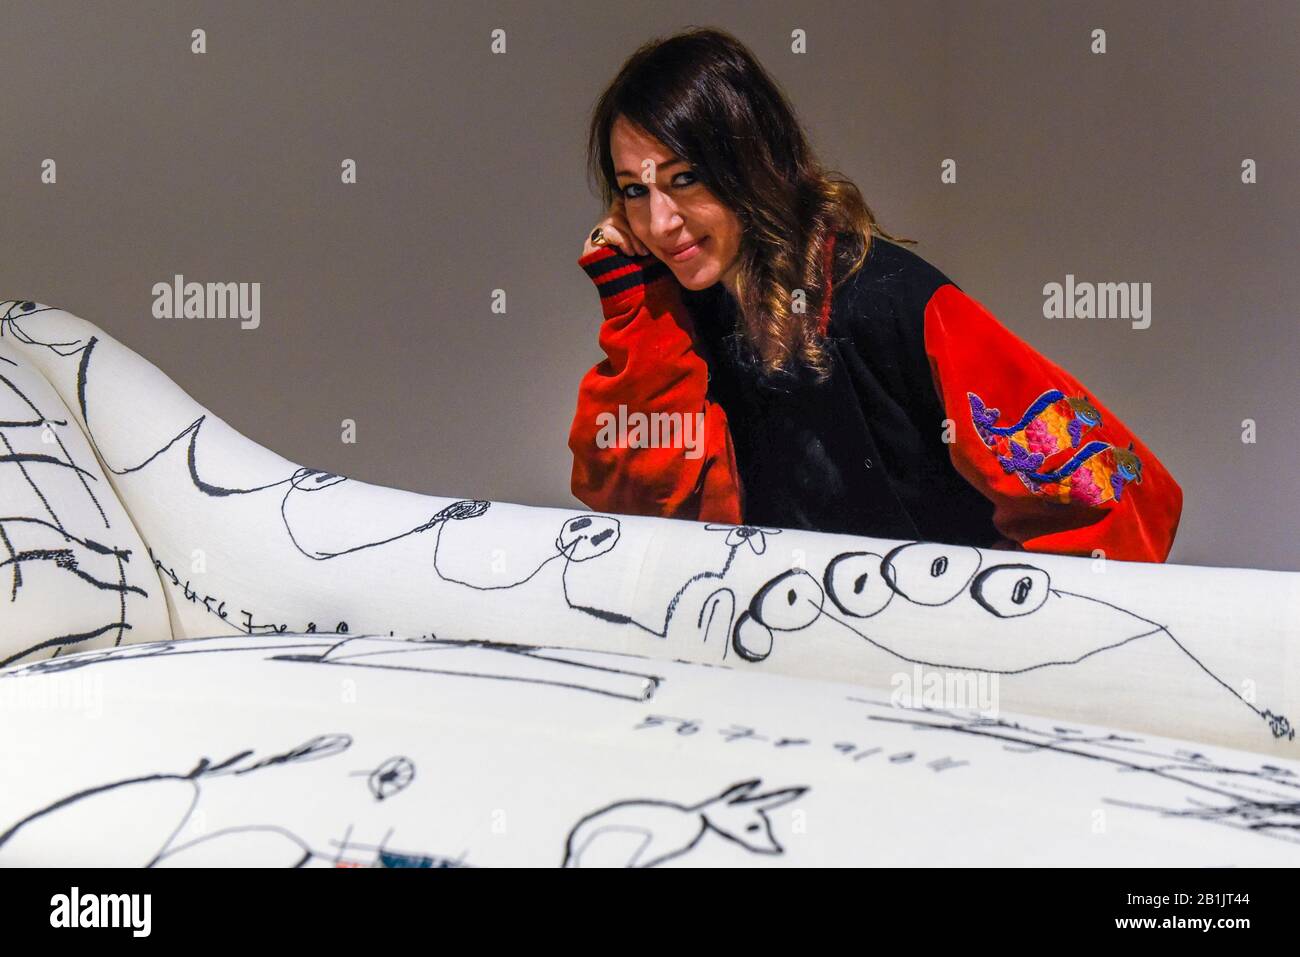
[(129, 513)]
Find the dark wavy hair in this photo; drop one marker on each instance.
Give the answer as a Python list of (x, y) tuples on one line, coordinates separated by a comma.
[(705, 96)]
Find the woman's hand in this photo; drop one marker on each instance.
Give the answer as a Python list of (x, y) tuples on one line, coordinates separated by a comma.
[(617, 233)]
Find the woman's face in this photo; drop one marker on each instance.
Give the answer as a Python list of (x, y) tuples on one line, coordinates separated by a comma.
[(672, 212)]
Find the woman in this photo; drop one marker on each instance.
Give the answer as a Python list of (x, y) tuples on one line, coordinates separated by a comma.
[(799, 369)]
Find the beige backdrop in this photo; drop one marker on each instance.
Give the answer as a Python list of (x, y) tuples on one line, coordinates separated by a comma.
[(376, 297)]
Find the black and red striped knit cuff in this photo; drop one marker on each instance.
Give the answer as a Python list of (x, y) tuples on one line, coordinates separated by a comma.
[(619, 277)]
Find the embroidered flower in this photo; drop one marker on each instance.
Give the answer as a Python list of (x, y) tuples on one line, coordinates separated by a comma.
[(738, 535)]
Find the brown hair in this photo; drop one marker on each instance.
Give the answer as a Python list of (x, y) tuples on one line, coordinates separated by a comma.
[(705, 96)]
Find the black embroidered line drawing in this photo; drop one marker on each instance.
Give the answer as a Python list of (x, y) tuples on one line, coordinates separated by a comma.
[(855, 585), (490, 661), (479, 659), (1264, 800), (154, 839), (647, 832), (392, 777), (584, 537), (862, 585), (46, 538), (350, 853), (266, 845), (126, 653), (795, 744), (581, 538), (151, 839)]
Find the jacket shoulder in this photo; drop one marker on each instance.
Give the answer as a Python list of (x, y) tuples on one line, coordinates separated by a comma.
[(893, 283), (879, 312)]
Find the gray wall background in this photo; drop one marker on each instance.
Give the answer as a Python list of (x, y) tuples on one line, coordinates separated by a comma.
[(376, 297)]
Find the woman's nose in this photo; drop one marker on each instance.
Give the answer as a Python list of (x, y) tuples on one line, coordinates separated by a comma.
[(665, 218)]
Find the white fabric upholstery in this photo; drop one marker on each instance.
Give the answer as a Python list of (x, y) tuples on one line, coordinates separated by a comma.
[(246, 542), (74, 573), (354, 751)]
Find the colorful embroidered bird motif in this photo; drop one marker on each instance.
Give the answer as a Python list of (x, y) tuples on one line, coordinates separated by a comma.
[(1094, 475), (1053, 422)]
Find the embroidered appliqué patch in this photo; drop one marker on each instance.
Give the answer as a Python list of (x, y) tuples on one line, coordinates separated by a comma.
[(1094, 475), (1055, 423)]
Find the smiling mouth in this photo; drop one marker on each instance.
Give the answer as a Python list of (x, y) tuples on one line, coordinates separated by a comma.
[(688, 252)]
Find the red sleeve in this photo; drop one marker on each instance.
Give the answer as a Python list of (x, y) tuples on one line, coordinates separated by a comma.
[(653, 370), (1065, 475)]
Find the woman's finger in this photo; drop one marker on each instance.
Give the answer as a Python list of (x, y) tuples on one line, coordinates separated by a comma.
[(613, 237), (609, 233), (642, 248), (619, 222), (618, 216)]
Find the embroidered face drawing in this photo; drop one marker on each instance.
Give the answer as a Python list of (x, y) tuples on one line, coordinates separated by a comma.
[(1010, 619)]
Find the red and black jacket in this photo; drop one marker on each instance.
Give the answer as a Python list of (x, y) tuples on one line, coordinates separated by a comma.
[(937, 423)]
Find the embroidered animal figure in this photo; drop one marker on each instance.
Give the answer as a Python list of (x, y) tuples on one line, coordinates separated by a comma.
[(1094, 475), (647, 832), (152, 814), (1052, 423)]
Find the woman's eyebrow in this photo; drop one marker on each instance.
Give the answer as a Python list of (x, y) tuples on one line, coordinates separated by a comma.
[(670, 163)]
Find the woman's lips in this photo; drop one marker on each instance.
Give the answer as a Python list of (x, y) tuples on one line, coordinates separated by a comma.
[(690, 252)]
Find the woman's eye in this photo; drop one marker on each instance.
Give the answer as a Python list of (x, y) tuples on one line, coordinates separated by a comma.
[(630, 191)]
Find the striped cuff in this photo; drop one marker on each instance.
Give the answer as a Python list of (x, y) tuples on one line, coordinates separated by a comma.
[(618, 277)]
